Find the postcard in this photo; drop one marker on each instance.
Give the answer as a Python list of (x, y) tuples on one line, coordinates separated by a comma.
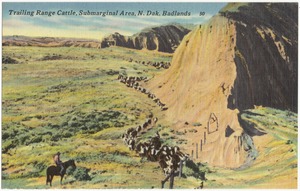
[(149, 95)]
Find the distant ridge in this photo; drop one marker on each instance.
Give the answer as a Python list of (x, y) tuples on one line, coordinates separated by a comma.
[(17, 40), (165, 38)]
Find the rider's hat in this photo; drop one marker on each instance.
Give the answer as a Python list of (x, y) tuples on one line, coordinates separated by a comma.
[(58, 153)]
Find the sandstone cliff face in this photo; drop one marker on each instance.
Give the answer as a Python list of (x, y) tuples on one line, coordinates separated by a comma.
[(163, 38), (233, 62)]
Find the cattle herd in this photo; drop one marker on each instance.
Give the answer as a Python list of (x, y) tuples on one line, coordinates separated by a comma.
[(169, 158), (133, 82), (157, 65)]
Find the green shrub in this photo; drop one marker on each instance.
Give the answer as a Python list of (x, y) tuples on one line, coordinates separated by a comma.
[(40, 166), (4, 176), (70, 171), (47, 138), (179, 133), (193, 169), (67, 134), (164, 134), (8, 145), (119, 124), (112, 72), (5, 135), (56, 137), (197, 124), (32, 174), (81, 173), (36, 139)]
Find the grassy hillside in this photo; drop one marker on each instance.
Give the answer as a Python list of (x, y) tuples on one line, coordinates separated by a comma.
[(68, 100)]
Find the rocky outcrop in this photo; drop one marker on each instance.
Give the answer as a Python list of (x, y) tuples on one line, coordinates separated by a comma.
[(116, 39), (265, 56), (242, 57), (163, 38)]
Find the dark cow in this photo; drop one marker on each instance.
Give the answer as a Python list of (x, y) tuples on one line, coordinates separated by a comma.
[(128, 131), (155, 142), (133, 134), (142, 149), (124, 138), (131, 144), (138, 128)]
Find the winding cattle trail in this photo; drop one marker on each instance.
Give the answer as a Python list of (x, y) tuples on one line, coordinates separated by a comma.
[(170, 159), (133, 82)]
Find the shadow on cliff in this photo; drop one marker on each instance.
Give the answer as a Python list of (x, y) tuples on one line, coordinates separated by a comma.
[(248, 127)]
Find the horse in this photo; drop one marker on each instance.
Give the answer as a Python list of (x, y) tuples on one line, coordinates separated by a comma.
[(55, 171)]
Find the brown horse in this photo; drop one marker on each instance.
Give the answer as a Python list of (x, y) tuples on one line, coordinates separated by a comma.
[(55, 171)]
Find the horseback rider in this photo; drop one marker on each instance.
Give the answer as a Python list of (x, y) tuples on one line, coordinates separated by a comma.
[(58, 162)]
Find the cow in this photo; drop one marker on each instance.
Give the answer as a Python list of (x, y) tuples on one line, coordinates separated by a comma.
[(155, 142), (142, 149), (131, 144)]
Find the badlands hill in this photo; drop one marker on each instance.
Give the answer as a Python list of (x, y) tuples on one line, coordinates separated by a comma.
[(164, 38), (242, 57), (49, 42)]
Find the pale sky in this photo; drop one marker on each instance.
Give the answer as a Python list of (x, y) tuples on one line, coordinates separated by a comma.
[(95, 27)]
